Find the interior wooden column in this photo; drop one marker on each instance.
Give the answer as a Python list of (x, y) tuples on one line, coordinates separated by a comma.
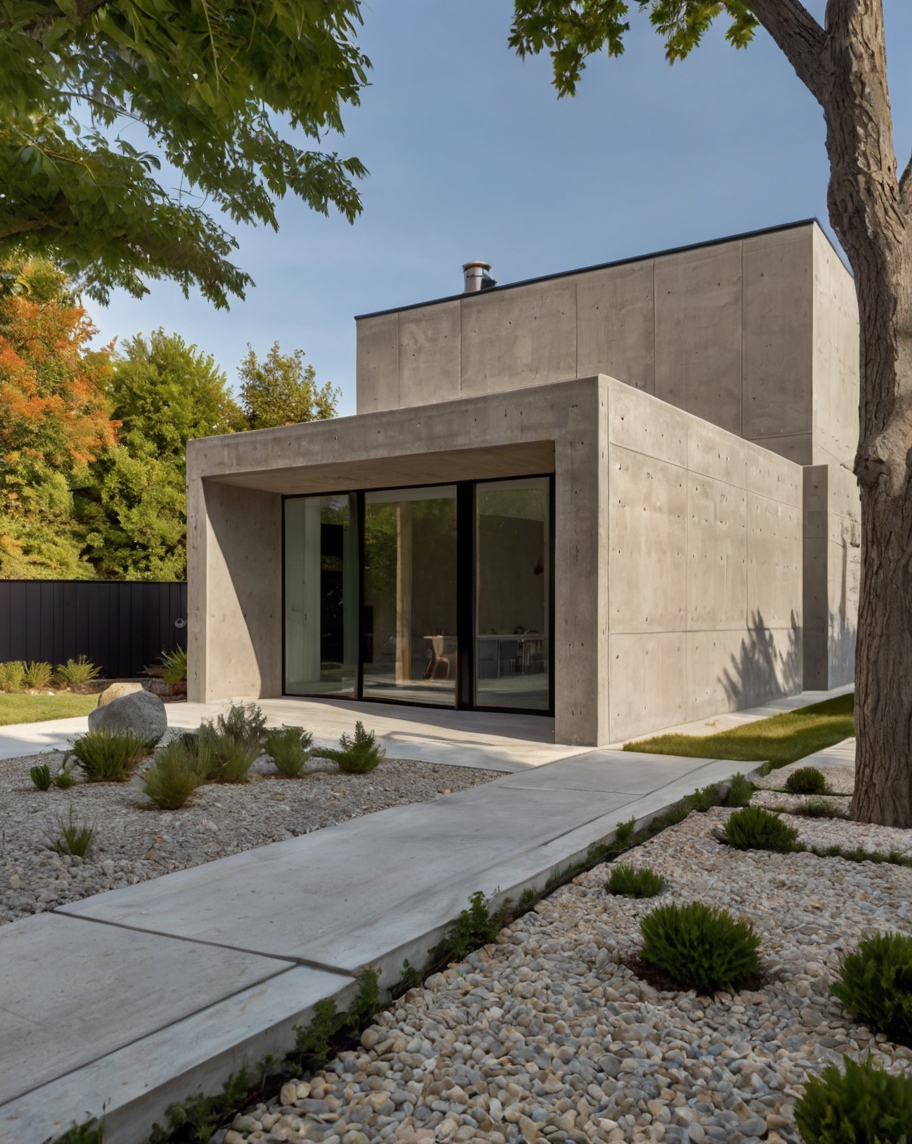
[(403, 592)]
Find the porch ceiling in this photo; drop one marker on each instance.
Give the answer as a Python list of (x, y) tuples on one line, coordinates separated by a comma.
[(516, 460)]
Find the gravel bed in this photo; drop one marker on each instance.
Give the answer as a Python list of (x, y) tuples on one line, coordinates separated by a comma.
[(545, 1035), (134, 842), (840, 780), (776, 800)]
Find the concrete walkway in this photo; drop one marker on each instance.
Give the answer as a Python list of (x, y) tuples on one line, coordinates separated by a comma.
[(133, 999)]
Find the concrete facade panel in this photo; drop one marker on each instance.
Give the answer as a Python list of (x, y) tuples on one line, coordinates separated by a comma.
[(778, 313), (378, 363), (647, 566), (836, 361), (730, 670), (774, 559), (714, 453), (519, 338), (652, 428), (698, 333), (429, 354), (647, 682), (716, 554), (798, 448), (616, 324), (771, 476)]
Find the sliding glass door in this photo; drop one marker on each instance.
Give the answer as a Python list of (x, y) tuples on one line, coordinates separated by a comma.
[(433, 595), (410, 595), (513, 594)]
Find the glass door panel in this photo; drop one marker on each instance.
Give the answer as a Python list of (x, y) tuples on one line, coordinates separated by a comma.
[(321, 595), (410, 595), (512, 593)]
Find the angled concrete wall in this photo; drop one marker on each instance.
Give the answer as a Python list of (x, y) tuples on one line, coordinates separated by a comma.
[(705, 568)]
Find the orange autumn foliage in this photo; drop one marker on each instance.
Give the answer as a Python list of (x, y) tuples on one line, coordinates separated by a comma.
[(53, 406)]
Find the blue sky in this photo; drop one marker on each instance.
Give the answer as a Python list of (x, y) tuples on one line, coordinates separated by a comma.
[(472, 156)]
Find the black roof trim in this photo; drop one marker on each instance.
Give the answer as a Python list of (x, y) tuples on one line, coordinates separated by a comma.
[(601, 266)]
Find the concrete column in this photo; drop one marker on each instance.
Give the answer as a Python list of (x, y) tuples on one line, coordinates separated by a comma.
[(581, 572), (235, 596)]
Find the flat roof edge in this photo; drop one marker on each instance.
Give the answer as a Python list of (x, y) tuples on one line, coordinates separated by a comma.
[(604, 266)]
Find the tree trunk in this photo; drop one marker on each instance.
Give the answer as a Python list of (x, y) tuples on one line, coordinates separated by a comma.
[(870, 217)]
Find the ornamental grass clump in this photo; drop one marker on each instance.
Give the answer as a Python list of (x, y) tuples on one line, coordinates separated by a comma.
[(874, 982), (243, 723), (358, 754), (224, 759), (699, 947), (628, 882), (38, 675), (77, 671), (173, 777), (806, 780), (73, 836), (861, 1105), (289, 749), (109, 756), (41, 776), (12, 675), (753, 828)]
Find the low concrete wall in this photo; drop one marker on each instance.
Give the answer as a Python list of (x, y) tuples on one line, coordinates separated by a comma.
[(704, 571)]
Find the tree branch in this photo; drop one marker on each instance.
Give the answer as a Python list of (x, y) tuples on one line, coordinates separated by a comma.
[(801, 39)]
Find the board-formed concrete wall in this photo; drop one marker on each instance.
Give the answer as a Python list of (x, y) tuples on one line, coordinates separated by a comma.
[(705, 568), (753, 334)]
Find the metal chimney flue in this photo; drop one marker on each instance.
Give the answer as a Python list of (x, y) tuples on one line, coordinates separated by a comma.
[(477, 276)]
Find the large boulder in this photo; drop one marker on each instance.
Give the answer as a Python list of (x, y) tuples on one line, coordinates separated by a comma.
[(140, 712), (117, 691)]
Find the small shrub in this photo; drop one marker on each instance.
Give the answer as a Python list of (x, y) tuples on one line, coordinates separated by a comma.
[(623, 833), (740, 791), (76, 671), (224, 759), (38, 675), (109, 756), (753, 828), (64, 778), (629, 882), (289, 749), (706, 798), (874, 982), (241, 723), (73, 836), (174, 775), (41, 776), (806, 780), (358, 754), (699, 947), (862, 1105), (12, 675)]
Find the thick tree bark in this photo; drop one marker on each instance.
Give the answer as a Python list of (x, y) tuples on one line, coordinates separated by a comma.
[(867, 212), (845, 67)]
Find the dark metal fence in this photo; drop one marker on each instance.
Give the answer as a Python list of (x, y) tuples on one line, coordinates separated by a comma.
[(121, 626)]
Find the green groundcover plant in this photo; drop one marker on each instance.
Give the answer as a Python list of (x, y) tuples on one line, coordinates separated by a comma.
[(173, 777), (699, 947), (289, 749), (358, 754), (629, 882), (753, 828), (806, 780), (109, 756), (874, 982), (860, 1105)]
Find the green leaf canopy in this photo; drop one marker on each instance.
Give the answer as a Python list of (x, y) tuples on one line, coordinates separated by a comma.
[(206, 80)]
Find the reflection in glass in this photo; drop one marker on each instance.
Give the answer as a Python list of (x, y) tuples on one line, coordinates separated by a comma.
[(512, 593), (410, 595), (321, 595)]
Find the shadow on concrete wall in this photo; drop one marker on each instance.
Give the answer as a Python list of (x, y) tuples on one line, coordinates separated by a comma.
[(841, 650), (761, 670)]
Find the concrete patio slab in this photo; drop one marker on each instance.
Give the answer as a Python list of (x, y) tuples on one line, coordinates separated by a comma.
[(76, 992), (136, 1083)]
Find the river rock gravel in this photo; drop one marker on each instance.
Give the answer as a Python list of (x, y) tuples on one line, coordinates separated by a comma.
[(133, 841), (546, 1035)]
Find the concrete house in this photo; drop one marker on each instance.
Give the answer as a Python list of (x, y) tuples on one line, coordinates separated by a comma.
[(621, 496)]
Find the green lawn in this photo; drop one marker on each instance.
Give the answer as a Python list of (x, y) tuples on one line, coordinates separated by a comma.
[(16, 708), (780, 740)]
